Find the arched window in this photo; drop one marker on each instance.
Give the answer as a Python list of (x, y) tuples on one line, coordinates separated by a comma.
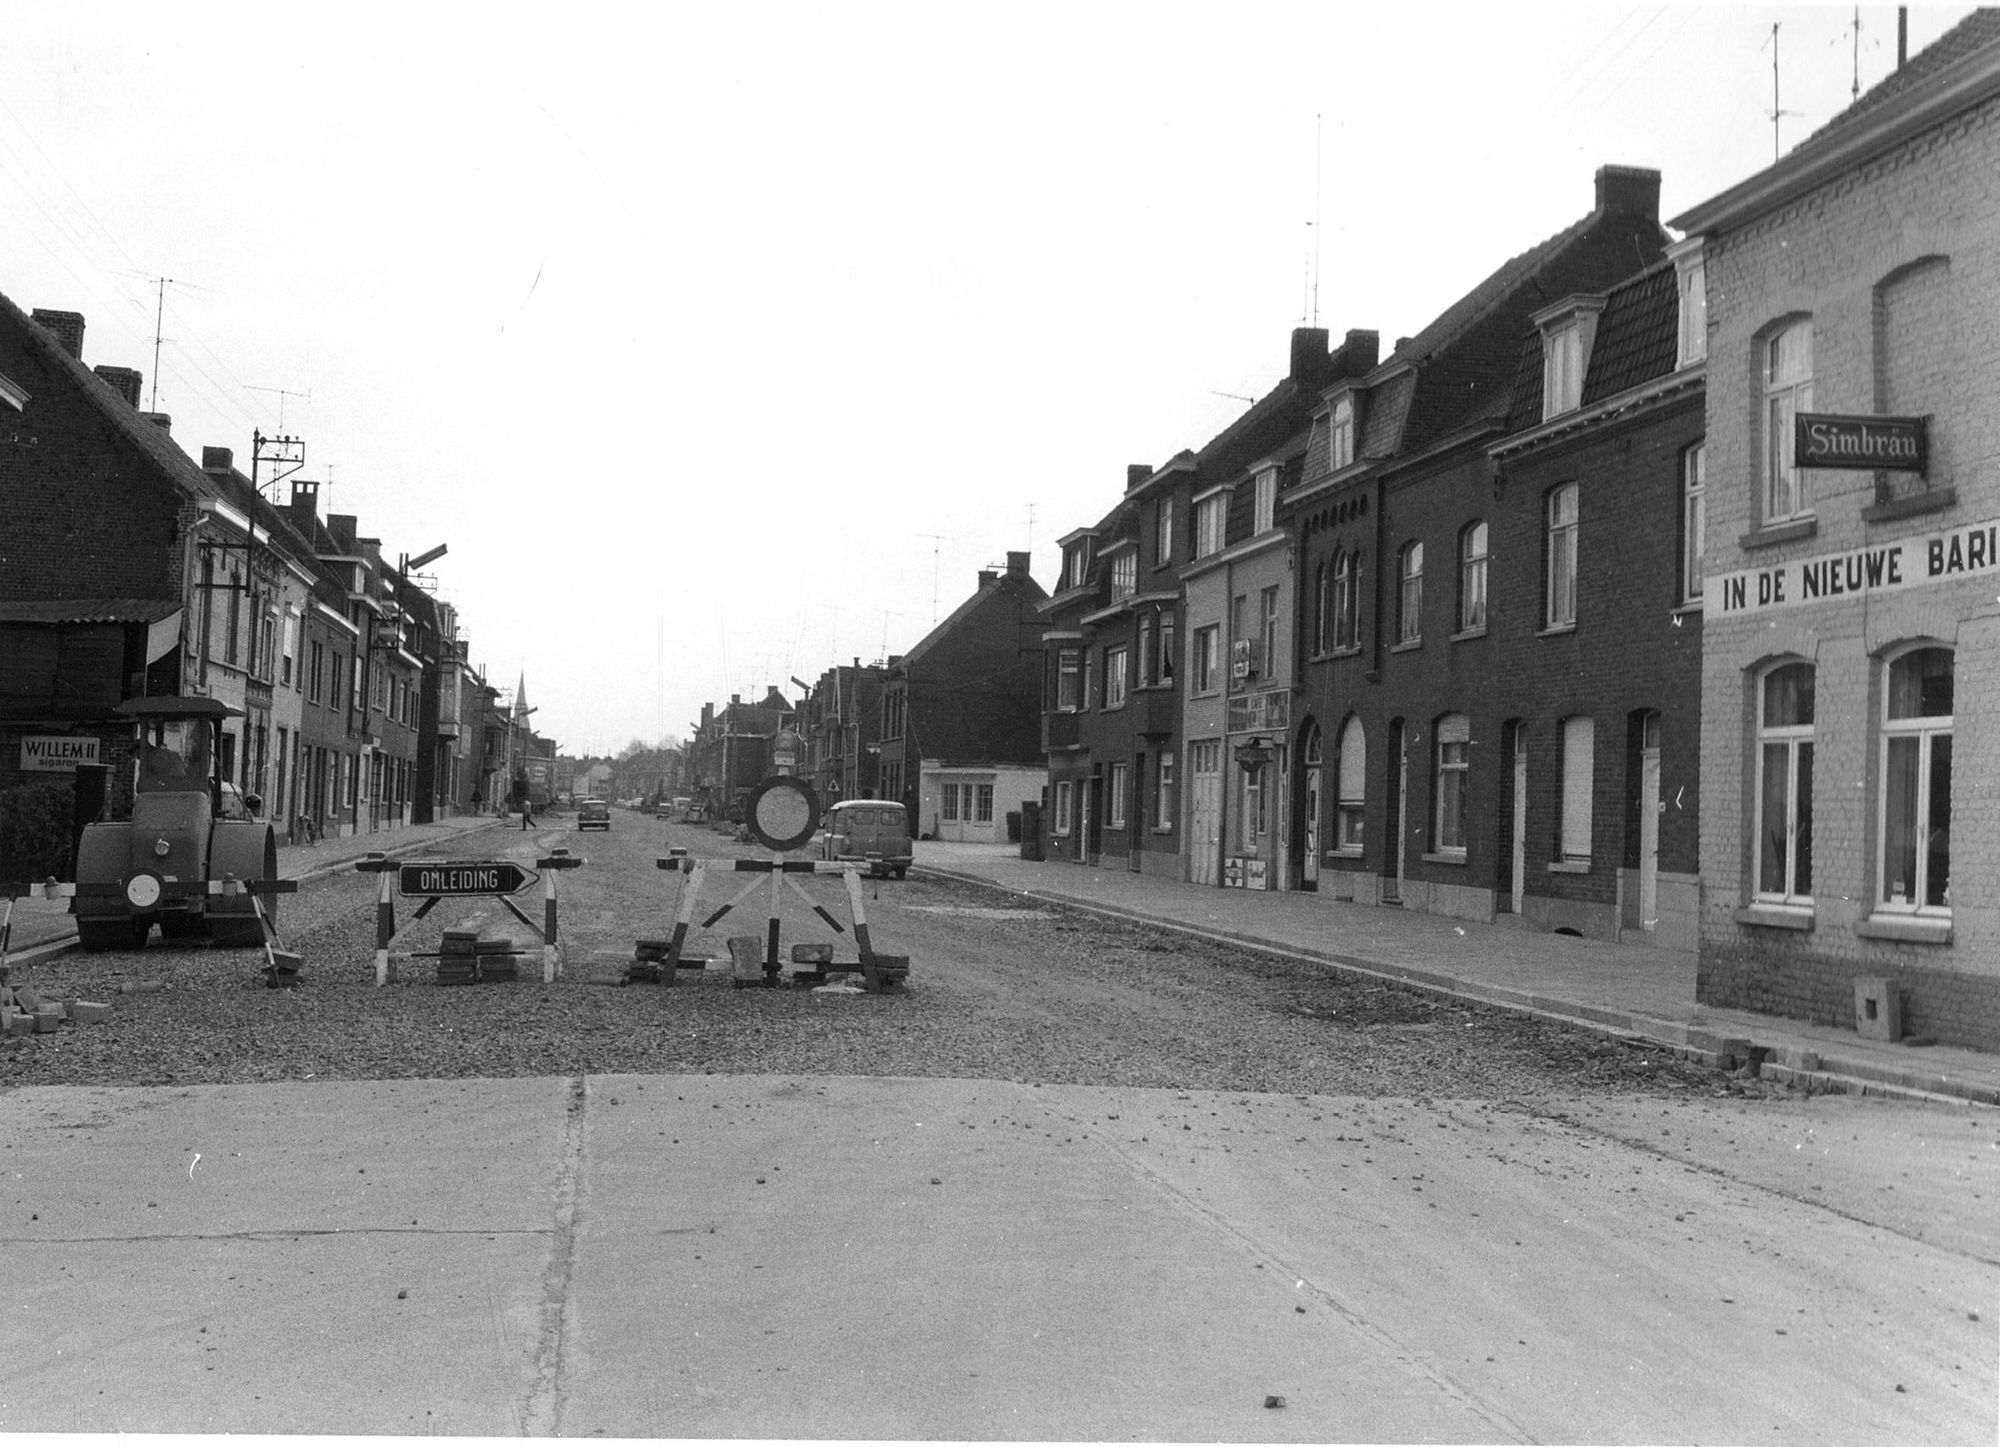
[(1322, 627), (1787, 373), (1785, 785), (1472, 578), (1916, 783), (1410, 593), (1346, 599)]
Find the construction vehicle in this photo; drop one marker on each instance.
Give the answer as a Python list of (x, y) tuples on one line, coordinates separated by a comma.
[(190, 857)]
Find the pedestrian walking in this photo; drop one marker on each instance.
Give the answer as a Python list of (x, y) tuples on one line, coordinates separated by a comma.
[(527, 812)]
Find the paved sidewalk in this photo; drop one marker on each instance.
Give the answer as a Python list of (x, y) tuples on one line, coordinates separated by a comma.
[(1621, 988)]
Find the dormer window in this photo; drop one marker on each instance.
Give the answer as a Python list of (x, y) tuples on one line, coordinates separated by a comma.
[(1265, 516), (1340, 435), (1125, 574), (1076, 563), (1691, 279), (1568, 329)]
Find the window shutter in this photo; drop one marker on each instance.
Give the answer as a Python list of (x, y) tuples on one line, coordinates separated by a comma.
[(1579, 738)]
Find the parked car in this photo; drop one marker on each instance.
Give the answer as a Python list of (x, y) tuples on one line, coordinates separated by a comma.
[(875, 832), (593, 814)]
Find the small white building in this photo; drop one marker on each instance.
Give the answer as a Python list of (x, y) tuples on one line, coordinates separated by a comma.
[(969, 802)]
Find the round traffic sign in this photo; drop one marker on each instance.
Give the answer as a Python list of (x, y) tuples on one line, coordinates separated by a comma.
[(783, 813)]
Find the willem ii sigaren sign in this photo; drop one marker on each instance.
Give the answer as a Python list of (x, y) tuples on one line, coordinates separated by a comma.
[(56, 753), (1872, 444), (1882, 568)]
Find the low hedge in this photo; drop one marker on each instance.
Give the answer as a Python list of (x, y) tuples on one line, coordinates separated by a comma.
[(36, 821)]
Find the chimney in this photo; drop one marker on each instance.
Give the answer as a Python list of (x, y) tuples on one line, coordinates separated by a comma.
[(1308, 355), (1360, 352), (1136, 473), (162, 420), (1017, 566), (65, 327), (305, 500), (1629, 191), (217, 459), (988, 576), (125, 381)]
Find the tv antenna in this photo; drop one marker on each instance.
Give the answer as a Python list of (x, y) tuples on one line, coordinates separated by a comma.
[(1776, 112), (159, 320), (936, 540), (1312, 231), (283, 393)]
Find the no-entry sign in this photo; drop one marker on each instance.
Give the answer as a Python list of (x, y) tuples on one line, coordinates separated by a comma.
[(461, 876)]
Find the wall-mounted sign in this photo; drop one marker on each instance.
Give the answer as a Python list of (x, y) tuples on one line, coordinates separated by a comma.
[(1871, 444), (1269, 712), (56, 754), (1884, 568)]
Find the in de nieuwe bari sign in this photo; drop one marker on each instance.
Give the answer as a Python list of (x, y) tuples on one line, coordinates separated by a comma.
[(1886, 568), (56, 754), (1871, 444)]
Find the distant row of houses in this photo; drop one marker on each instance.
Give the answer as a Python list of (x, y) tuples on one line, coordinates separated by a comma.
[(1646, 594), (127, 568)]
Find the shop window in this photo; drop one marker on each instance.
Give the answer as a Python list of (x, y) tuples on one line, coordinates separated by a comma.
[(1785, 785), (1916, 783), (982, 804)]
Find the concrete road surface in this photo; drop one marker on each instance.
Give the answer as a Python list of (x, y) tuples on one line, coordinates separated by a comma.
[(716, 1256)]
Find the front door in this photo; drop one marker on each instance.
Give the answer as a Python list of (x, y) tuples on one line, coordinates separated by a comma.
[(1309, 865), (1204, 810), (1650, 805), (1518, 886), (1399, 806)]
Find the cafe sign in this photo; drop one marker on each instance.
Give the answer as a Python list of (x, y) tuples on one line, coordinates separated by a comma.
[(56, 753), (1967, 552), (1870, 444)]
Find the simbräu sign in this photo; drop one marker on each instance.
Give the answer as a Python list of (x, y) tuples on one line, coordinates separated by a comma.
[(1871, 444), (1883, 568)]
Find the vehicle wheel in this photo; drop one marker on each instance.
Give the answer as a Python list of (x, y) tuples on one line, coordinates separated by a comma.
[(900, 873), (112, 934)]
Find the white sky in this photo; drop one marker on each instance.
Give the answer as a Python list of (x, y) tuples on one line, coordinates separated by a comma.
[(720, 343)]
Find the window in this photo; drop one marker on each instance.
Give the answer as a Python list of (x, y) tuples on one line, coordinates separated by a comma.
[(1115, 778), (1089, 695), (291, 647), (1116, 662), (1785, 785), (1340, 439), (1163, 533), (1916, 783), (1066, 678), (1410, 593), (1346, 596), (1352, 784), (1076, 563), (315, 658), (1472, 578), (1163, 793), (1788, 391), (982, 804), (1207, 645), (1560, 558), (1267, 663), (1694, 518), (1210, 515), (1166, 648), (1065, 799), (1454, 743), (1266, 501), (948, 799), (1149, 660), (1579, 739), (1125, 574), (1693, 282), (1562, 370), (1252, 821)]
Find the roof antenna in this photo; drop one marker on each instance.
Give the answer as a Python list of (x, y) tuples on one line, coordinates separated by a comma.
[(159, 318), (1776, 113), (1313, 228)]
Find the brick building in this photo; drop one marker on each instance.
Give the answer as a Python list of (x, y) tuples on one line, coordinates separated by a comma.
[(1451, 627), (1851, 636), (842, 720), (963, 707)]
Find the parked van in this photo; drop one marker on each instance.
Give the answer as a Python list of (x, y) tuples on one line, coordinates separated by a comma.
[(873, 831)]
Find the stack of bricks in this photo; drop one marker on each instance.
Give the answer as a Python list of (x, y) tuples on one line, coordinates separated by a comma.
[(497, 960), (458, 959), (24, 1010)]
